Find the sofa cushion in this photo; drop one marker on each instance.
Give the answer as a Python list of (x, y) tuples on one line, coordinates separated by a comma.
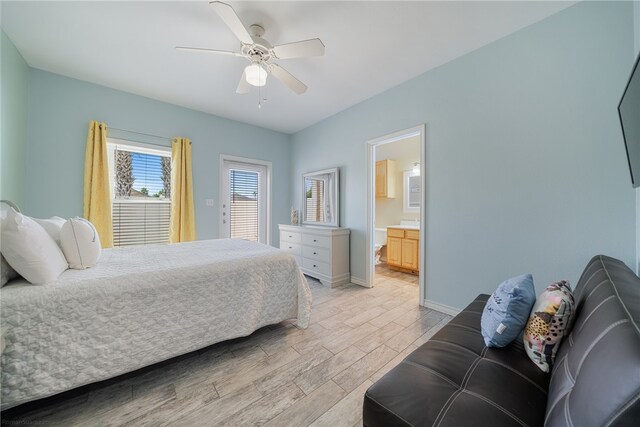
[(455, 371), (595, 380), (549, 323), (507, 310)]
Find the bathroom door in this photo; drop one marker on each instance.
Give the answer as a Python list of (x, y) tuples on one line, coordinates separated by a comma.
[(244, 201)]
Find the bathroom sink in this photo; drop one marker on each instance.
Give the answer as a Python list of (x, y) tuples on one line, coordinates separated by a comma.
[(412, 226)]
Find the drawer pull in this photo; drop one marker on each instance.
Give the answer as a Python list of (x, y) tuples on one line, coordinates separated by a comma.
[(315, 253), (315, 241), (290, 237), (290, 247), (315, 266)]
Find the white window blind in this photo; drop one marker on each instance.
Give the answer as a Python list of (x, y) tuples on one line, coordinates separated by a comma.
[(244, 206), (140, 223), (140, 179)]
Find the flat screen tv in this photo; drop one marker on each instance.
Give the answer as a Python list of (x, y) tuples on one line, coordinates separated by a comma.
[(629, 112)]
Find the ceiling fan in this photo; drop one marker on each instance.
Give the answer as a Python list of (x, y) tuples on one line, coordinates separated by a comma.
[(261, 53)]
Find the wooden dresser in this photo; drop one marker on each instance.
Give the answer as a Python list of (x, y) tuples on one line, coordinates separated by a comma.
[(321, 252), (403, 249)]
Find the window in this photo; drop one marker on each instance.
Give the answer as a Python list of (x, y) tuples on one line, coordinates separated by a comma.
[(140, 179)]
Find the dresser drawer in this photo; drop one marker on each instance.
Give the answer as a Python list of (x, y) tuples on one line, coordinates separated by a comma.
[(294, 248), (290, 236), (316, 266), (319, 241), (316, 253)]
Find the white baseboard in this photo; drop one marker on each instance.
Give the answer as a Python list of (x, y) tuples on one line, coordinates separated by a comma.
[(359, 281), (446, 309)]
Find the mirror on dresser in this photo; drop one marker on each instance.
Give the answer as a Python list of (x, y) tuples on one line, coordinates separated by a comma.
[(320, 198)]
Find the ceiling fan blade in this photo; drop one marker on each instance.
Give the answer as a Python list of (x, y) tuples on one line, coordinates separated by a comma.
[(285, 77), (301, 49), (199, 49), (243, 86), (230, 18)]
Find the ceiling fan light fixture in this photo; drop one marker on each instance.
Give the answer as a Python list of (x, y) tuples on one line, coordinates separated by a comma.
[(255, 75)]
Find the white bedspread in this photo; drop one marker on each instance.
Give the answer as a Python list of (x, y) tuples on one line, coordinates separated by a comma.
[(140, 306)]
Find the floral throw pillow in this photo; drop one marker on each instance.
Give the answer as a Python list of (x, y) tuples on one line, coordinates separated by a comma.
[(549, 322)]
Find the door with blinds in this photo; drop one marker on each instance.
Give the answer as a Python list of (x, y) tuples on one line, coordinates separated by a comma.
[(244, 202)]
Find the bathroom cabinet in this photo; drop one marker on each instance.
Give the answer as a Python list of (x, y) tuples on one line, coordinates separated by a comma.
[(403, 249), (386, 179)]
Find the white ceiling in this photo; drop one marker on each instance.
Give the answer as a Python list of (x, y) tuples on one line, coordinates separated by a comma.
[(371, 46)]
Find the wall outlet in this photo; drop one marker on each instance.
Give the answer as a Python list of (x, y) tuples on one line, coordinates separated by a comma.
[(209, 202)]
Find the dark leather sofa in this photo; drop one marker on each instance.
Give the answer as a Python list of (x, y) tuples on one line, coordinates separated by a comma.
[(455, 380)]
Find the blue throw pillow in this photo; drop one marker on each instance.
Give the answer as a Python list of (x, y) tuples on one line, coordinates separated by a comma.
[(507, 311)]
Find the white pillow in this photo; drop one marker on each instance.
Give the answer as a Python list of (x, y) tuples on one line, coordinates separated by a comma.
[(7, 272), (80, 243), (30, 250), (53, 226)]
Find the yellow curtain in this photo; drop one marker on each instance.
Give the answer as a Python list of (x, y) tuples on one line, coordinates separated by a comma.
[(97, 194), (183, 224)]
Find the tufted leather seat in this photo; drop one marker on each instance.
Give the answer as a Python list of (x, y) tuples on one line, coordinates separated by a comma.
[(595, 379), (455, 380)]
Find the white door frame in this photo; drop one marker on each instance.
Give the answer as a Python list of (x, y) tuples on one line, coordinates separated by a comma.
[(420, 131), (235, 159)]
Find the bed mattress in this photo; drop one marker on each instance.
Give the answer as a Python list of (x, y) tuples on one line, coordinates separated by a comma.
[(139, 306)]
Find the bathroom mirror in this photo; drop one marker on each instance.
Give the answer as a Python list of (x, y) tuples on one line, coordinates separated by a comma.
[(411, 198), (320, 198)]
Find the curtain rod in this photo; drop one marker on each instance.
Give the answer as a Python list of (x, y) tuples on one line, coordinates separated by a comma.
[(145, 134), (138, 133)]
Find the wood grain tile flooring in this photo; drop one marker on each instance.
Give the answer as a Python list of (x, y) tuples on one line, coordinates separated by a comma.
[(279, 376)]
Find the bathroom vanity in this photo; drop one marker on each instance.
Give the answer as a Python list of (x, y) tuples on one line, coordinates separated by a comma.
[(403, 248)]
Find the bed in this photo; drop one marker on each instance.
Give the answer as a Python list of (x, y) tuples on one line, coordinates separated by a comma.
[(139, 306)]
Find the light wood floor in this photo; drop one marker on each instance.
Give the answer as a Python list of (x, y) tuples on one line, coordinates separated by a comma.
[(279, 376), (383, 270)]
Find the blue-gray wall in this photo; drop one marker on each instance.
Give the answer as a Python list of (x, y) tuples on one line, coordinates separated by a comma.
[(60, 109), (14, 76), (526, 168)]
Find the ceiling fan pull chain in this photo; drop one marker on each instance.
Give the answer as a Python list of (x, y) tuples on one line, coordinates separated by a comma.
[(259, 97)]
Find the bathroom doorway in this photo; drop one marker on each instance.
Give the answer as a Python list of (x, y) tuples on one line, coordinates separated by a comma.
[(396, 194)]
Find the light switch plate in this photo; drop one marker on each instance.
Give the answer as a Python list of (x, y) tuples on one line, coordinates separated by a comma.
[(209, 202)]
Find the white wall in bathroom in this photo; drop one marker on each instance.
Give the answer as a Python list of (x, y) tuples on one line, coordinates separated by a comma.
[(405, 152)]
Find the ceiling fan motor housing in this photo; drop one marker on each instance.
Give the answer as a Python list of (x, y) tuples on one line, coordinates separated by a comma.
[(260, 50)]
